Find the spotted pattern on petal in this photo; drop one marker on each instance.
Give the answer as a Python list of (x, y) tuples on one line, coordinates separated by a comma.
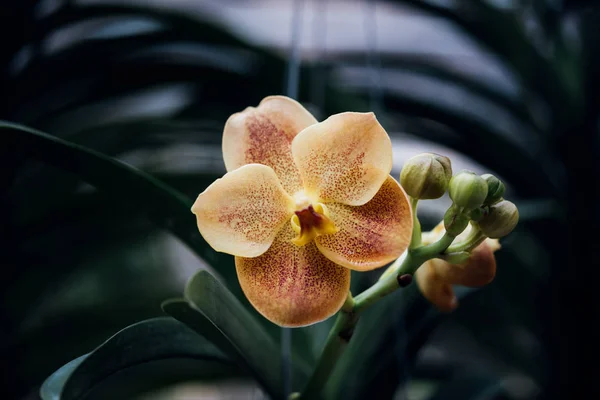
[(370, 235), (293, 285)]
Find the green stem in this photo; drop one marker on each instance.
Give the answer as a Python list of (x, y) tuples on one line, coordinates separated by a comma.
[(387, 285), (393, 268), (348, 317), (336, 343), (434, 249), (473, 240), (413, 260), (415, 239)]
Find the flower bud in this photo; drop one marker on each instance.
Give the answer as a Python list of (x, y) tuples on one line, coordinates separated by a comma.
[(454, 221), (500, 220), (426, 176), (468, 190), (495, 189), (476, 214)]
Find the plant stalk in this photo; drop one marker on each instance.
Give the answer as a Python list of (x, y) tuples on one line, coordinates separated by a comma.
[(348, 317), (415, 239), (473, 239)]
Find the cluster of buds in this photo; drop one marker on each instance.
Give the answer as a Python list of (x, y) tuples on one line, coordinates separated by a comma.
[(475, 198), (478, 216), (480, 199)]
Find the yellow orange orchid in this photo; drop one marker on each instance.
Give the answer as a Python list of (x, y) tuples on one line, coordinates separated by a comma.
[(301, 205), (436, 277)]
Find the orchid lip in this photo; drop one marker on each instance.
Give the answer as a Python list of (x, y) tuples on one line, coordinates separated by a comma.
[(310, 222), (309, 218)]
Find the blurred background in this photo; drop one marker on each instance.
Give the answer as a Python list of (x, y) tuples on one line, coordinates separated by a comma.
[(508, 87)]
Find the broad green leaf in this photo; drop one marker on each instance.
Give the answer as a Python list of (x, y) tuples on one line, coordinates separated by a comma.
[(158, 339), (52, 387), (440, 70), (216, 314), (170, 208), (122, 186), (503, 33)]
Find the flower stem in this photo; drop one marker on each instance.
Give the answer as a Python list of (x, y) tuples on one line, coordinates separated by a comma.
[(474, 239), (387, 285), (415, 239), (336, 343), (348, 317)]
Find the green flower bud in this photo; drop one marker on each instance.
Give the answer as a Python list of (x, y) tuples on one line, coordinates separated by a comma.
[(455, 222), (468, 190), (426, 176), (495, 189), (476, 214), (500, 220)]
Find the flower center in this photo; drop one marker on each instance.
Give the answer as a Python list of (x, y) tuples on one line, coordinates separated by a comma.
[(310, 221)]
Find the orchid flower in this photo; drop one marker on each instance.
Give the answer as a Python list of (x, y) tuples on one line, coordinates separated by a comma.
[(436, 276), (302, 204)]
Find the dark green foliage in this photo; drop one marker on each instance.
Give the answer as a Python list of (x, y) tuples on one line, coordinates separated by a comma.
[(216, 314), (94, 207), (159, 339)]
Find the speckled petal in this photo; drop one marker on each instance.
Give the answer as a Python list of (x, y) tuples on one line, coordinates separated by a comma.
[(434, 289), (264, 135), (293, 285), (370, 235), (344, 159), (242, 212)]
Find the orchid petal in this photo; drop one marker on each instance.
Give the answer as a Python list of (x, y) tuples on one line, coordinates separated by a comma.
[(293, 285), (241, 213), (477, 271), (370, 235), (436, 277), (437, 291), (344, 159), (264, 135)]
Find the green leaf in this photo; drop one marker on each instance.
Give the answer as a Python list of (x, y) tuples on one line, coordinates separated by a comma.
[(438, 69), (216, 314), (121, 186), (158, 339), (53, 385), (502, 32), (165, 205)]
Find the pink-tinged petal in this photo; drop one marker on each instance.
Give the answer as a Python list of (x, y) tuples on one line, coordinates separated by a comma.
[(344, 159), (477, 271), (434, 289), (241, 213), (436, 277), (293, 285), (264, 135), (370, 235)]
